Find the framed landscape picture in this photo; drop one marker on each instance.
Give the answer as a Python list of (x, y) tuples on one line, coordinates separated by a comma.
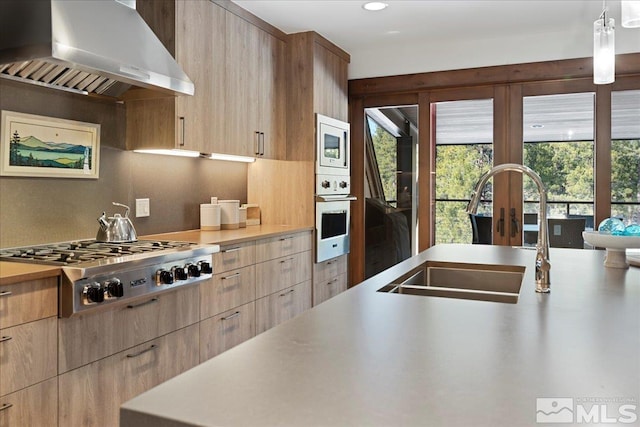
[(38, 146)]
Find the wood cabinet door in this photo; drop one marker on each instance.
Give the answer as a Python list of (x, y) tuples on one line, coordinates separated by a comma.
[(330, 84), (28, 354), (89, 337), (28, 301), (271, 108), (282, 306), (200, 47), (325, 289), (35, 406), (277, 274), (227, 290), (241, 86), (226, 330), (92, 395)]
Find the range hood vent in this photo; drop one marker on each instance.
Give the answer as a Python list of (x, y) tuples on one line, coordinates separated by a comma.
[(101, 47)]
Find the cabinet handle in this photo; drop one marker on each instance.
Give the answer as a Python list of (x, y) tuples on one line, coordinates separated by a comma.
[(181, 120), (286, 260), (5, 293), (6, 406), (152, 300), (5, 338), (231, 277), (262, 143), (329, 262), (231, 316), (331, 282), (226, 251), (282, 239), (141, 352), (287, 293)]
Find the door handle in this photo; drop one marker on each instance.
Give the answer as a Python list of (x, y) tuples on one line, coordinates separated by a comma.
[(515, 223), (500, 223)]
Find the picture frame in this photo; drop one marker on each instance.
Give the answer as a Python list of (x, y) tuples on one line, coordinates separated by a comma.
[(47, 147)]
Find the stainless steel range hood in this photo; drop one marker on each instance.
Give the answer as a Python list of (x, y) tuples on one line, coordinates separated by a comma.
[(86, 46)]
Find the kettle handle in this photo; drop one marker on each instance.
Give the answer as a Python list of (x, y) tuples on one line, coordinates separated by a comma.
[(126, 213)]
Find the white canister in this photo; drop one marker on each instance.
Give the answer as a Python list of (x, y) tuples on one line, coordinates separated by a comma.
[(242, 217), (229, 214), (209, 217), (214, 200)]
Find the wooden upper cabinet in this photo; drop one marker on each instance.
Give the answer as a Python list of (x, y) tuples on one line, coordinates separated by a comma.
[(190, 31), (255, 94), (317, 82), (238, 70)]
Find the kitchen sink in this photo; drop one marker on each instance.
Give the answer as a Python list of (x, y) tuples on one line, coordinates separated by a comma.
[(485, 282)]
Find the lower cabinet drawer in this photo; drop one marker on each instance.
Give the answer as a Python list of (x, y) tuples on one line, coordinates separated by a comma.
[(326, 289), (281, 273), (227, 290), (327, 270), (275, 247), (28, 354), (90, 337), (28, 301), (282, 306), (92, 395), (234, 256), (35, 406), (220, 333)]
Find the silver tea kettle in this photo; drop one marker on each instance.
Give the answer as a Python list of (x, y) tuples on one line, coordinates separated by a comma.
[(116, 229)]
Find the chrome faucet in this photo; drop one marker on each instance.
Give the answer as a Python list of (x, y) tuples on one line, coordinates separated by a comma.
[(542, 246)]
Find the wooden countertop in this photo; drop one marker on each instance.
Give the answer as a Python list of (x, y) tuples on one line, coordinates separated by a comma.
[(225, 237), (13, 272)]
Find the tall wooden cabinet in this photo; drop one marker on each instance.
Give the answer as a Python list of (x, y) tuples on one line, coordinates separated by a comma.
[(238, 71)]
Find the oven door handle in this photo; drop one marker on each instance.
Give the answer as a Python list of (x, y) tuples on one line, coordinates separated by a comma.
[(340, 198)]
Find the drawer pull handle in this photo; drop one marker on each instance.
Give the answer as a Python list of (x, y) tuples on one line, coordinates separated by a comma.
[(5, 338), (287, 293), (231, 316), (141, 352), (282, 239), (5, 293), (286, 260), (226, 251), (330, 262), (331, 282), (152, 300), (6, 406), (231, 276)]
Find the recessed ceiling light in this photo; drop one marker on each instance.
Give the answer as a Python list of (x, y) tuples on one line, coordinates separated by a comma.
[(375, 5), (537, 126)]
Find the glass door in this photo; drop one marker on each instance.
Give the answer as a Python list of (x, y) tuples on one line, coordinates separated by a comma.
[(463, 152), (558, 144)]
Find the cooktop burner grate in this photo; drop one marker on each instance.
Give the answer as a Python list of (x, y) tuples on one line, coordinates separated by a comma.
[(77, 252)]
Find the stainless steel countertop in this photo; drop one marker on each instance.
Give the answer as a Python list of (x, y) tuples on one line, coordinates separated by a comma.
[(375, 359)]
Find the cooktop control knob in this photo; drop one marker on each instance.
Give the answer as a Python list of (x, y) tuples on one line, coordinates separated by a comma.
[(194, 270), (114, 288), (180, 273), (325, 184), (164, 277), (205, 267), (93, 293), (343, 184)]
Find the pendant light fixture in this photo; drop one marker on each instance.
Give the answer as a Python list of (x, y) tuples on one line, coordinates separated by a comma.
[(604, 55), (630, 13)]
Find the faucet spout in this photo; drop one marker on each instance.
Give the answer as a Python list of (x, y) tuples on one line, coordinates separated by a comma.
[(543, 266)]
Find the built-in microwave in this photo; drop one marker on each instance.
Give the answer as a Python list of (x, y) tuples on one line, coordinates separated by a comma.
[(333, 155)]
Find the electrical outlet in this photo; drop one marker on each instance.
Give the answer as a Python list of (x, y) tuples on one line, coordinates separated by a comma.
[(142, 208)]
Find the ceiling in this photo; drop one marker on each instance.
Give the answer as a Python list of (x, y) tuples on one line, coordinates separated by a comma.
[(431, 35)]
